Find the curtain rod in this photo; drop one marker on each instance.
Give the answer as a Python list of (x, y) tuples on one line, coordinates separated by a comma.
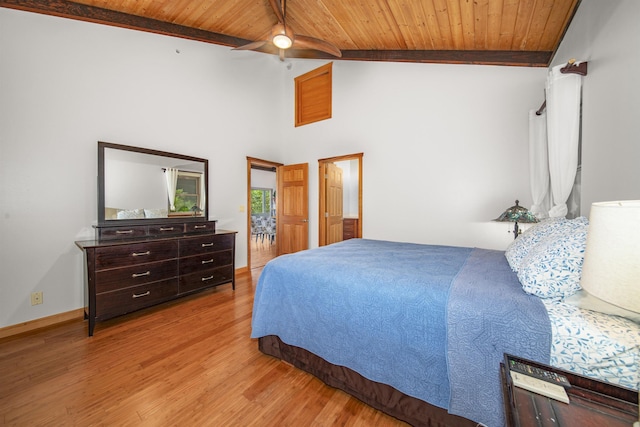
[(570, 68)]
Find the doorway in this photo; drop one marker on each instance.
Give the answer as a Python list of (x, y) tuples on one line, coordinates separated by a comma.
[(340, 198), (262, 245)]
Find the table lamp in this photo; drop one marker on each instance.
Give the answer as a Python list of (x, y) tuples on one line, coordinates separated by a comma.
[(516, 214), (611, 268)]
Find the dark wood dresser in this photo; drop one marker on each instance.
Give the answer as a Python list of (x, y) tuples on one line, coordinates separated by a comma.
[(349, 228), (130, 268)]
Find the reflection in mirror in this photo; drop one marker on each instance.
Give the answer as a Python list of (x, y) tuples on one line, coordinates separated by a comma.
[(139, 184), (350, 206), (340, 198)]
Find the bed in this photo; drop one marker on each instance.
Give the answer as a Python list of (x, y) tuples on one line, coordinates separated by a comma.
[(418, 331)]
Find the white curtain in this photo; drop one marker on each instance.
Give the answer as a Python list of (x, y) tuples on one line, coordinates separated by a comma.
[(171, 175), (203, 193), (563, 93), (538, 164)]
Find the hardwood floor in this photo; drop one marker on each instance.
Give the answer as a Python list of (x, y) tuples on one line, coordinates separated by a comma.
[(189, 362), (261, 252)]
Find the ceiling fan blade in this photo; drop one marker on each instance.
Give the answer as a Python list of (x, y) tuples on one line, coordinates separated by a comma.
[(281, 54), (306, 42), (277, 9), (264, 39), (251, 46)]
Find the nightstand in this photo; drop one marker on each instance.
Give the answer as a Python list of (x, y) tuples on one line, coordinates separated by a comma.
[(592, 403)]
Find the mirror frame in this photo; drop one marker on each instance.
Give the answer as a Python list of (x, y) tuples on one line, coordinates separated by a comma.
[(102, 222)]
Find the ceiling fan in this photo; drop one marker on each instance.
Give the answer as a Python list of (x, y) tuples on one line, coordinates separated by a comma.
[(282, 37)]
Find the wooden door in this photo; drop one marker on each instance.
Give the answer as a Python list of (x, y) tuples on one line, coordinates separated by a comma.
[(334, 210), (292, 199)]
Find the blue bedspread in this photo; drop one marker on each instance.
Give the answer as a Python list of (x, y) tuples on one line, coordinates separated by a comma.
[(489, 314), (390, 312)]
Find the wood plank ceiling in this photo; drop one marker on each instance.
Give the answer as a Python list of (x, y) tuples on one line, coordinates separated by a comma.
[(498, 32)]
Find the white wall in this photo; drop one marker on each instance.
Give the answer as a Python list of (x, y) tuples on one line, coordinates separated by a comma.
[(263, 179), (607, 34), (445, 146), (64, 85)]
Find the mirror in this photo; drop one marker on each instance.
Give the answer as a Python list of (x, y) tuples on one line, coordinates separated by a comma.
[(137, 184), (340, 216)]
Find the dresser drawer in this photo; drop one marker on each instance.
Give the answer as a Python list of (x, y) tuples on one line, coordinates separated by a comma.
[(123, 301), (205, 261), (208, 243), (200, 227), (137, 253), (115, 233), (118, 278), (158, 230), (204, 279)]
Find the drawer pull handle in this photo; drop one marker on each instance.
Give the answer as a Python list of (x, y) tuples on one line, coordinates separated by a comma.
[(124, 231), (141, 295), (141, 253), (199, 226), (208, 261), (204, 279), (166, 228), (146, 273), (206, 245)]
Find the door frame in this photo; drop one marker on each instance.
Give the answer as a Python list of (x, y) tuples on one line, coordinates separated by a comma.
[(322, 227), (260, 164)]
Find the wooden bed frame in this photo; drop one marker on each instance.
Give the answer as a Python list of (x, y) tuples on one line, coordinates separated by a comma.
[(380, 396)]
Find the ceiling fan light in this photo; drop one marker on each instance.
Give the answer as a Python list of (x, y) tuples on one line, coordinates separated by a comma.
[(282, 41)]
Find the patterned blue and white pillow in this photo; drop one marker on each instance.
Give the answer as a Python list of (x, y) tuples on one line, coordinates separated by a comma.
[(520, 247), (552, 268)]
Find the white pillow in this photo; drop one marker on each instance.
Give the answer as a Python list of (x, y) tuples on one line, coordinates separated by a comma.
[(521, 246), (155, 213), (552, 268), (130, 214)]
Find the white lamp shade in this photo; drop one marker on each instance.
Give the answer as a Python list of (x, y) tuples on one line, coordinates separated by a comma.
[(611, 268)]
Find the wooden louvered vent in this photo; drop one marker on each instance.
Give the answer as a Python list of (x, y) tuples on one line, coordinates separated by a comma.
[(313, 95)]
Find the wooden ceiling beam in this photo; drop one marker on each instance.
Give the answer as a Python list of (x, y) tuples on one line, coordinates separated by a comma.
[(482, 57), (478, 57), (82, 12)]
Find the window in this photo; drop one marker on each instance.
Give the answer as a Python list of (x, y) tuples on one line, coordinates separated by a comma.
[(187, 199), (261, 201), (313, 95)]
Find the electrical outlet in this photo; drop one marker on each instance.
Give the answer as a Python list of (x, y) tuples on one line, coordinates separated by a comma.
[(36, 298)]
